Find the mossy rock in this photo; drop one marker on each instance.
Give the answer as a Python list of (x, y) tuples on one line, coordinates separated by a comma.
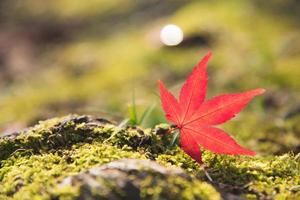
[(75, 157), (129, 179)]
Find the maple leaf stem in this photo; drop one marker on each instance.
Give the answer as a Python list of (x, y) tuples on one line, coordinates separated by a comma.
[(206, 173), (174, 138)]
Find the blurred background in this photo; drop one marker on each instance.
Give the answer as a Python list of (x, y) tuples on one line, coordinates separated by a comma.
[(104, 57)]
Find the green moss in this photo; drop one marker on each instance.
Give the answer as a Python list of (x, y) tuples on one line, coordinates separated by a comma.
[(33, 176), (178, 187), (64, 132), (265, 177), (258, 177), (35, 161)]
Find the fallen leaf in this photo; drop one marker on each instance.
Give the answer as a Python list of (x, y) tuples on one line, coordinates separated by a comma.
[(195, 117)]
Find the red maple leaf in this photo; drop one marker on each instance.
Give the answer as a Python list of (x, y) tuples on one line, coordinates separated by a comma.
[(195, 117)]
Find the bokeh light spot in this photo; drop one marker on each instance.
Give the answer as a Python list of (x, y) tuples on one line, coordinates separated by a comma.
[(171, 35)]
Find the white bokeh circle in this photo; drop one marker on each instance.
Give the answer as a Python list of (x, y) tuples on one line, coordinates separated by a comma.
[(171, 35)]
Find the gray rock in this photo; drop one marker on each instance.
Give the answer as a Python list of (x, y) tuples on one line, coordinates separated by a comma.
[(121, 179)]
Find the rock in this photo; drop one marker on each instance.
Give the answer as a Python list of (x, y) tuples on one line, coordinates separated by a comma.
[(126, 179)]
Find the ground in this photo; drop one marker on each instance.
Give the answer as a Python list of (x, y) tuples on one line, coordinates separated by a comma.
[(73, 156)]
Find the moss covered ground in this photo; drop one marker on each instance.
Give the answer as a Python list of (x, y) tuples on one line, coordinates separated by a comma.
[(35, 161), (84, 67)]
